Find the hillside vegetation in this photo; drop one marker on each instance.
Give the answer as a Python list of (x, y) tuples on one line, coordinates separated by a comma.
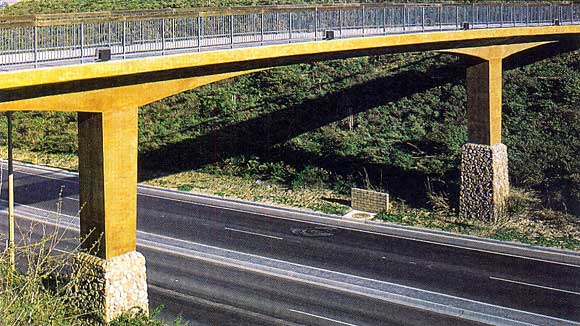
[(393, 122)]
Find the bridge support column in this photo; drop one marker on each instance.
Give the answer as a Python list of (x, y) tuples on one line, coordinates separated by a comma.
[(484, 161), (112, 274)]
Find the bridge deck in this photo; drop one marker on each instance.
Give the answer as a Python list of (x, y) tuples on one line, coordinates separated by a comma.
[(56, 40)]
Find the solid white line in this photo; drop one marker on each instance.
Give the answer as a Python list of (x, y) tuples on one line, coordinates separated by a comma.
[(72, 198), (173, 252), (254, 233), (322, 224), (358, 230), (533, 285), (321, 317)]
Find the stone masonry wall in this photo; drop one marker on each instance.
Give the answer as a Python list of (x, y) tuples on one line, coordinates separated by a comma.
[(108, 287), (484, 181), (369, 201)]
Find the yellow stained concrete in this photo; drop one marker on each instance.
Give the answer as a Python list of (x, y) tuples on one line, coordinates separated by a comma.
[(115, 98), (108, 181), (484, 90), (109, 93)]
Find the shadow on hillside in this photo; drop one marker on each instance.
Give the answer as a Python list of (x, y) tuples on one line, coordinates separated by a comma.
[(258, 136)]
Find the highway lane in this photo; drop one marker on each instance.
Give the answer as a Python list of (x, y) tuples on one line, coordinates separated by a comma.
[(210, 293), (530, 285)]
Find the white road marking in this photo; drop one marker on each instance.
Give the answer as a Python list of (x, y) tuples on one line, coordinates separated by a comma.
[(533, 285), (72, 198), (221, 261), (357, 230), (254, 233), (312, 223), (321, 317)]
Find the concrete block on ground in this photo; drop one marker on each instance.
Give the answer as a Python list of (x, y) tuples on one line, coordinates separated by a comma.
[(369, 201)]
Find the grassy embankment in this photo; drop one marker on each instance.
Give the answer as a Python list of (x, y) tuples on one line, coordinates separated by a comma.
[(303, 135), (38, 295)]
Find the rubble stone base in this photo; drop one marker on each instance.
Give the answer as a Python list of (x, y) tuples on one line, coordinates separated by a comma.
[(107, 288), (484, 182)]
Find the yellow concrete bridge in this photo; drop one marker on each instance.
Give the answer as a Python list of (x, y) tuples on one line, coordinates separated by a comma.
[(106, 65)]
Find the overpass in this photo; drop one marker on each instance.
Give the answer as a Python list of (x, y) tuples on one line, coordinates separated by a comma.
[(50, 62)]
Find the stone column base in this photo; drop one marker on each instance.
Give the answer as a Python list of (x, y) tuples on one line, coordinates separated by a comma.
[(109, 287), (484, 182)]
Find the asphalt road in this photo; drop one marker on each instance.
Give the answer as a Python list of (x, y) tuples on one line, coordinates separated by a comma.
[(217, 293)]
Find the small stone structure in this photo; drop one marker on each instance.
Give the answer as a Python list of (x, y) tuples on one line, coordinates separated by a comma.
[(108, 287), (369, 201), (484, 181)]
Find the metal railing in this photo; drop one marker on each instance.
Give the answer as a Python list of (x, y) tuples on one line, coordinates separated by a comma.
[(71, 38)]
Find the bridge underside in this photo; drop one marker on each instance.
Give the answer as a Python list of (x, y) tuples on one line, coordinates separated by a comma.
[(107, 96)]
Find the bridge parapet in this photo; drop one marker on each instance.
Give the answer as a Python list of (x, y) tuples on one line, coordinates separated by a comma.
[(44, 39)]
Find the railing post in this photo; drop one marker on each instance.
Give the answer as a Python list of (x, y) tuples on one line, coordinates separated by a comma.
[(501, 15), (527, 14), (473, 15), (384, 20), (231, 31), (82, 32), (35, 46), (315, 23), (487, 16), (363, 20), (199, 30), (173, 32), (456, 16), (109, 31), (124, 38), (290, 27), (262, 27), (340, 22), (404, 18), (163, 36), (440, 14), (142, 28), (422, 18), (513, 15)]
